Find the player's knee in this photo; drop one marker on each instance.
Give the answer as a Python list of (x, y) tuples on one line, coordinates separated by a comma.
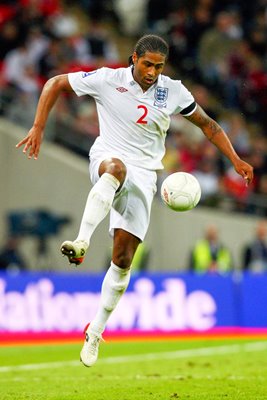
[(123, 260), (114, 167), (117, 169)]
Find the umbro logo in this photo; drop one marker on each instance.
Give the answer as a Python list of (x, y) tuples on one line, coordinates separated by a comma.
[(121, 89)]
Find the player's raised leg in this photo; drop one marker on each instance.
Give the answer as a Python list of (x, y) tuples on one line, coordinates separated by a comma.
[(112, 174)]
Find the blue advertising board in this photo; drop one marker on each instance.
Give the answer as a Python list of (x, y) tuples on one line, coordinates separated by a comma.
[(254, 301), (41, 302)]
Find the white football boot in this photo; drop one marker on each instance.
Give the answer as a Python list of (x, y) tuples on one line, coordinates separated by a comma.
[(75, 251), (89, 352)]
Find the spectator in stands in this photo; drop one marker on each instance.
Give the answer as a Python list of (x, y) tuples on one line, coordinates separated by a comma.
[(20, 72), (53, 60), (258, 158), (208, 176), (200, 21), (254, 94), (209, 255), (157, 13), (205, 99), (22, 85), (236, 128), (78, 130), (9, 38), (37, 44), (238, 194), (131, 16), (255, 252), (214, 46), (257, 36), (100, 46), (236, 67), (29, 15), (64, 24), (178, 39)]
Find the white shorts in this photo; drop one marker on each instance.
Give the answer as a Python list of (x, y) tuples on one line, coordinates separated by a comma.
[(131, 207)]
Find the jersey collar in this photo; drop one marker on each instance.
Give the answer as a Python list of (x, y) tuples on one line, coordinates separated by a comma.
[(129, 76), (130, 80)]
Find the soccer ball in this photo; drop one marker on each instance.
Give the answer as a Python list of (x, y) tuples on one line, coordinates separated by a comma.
[(180, 191)]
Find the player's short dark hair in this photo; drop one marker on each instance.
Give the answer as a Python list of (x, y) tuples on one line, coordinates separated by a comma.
[(151, 43)]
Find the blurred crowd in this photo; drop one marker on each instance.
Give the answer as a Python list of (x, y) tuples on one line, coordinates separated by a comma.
[(218, 49), (209, 253)]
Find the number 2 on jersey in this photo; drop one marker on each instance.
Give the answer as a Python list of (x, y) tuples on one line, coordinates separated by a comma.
[(142, 119)]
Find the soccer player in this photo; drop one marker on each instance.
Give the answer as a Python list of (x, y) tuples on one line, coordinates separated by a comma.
[(134, 106)]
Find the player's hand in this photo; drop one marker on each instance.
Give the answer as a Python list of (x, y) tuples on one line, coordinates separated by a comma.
[(245, 170), (32, 142)]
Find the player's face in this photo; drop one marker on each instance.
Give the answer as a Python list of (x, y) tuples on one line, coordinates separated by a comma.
[(147, 68)]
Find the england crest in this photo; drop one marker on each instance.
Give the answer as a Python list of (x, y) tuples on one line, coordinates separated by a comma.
[(161, 95)]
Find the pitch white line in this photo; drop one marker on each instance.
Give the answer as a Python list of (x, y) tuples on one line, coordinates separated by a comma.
[(167, 355)]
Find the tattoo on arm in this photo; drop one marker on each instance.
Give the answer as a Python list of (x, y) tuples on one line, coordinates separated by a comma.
[(213, 129), (210, 127)]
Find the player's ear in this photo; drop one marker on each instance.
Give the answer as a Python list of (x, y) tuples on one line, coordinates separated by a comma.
[(134, 57), (130, 60)]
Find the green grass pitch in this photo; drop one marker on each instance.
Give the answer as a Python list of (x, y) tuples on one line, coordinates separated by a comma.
[(164, 370)]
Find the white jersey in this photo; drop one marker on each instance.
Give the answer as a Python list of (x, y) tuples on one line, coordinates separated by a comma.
[(133, 124)]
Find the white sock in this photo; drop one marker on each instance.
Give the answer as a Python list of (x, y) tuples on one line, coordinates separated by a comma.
[(98, 205), (114, 285)]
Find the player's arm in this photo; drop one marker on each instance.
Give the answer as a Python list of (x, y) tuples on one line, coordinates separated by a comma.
[(50, 93), (216, 135)]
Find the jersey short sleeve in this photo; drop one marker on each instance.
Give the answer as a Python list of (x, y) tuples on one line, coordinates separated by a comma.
[(187, 104), (86, 82)]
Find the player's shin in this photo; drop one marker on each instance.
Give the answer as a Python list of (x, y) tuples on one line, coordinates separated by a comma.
[(114, 285)]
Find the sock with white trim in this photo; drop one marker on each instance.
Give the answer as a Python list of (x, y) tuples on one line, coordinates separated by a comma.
[(114, 285), (98, 205)]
